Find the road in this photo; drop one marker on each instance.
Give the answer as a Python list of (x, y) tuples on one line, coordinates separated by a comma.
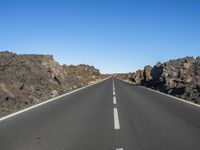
[(111, 115)]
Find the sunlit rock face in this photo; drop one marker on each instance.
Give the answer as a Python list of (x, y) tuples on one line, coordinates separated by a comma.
[(180, 77), (30, 79)]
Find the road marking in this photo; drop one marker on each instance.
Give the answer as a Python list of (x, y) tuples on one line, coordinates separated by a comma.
[(116, 119), (113, 86), (174, 97), (113, 93), (171, 96), (114, 100), (47, 101), (119, 148)]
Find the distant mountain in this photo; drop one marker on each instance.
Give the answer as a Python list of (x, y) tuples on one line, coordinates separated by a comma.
[(179, 77), (29, 79)]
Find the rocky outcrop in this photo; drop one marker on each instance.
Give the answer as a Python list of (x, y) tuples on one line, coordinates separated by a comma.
[(82, 74), (180, 78), (29, 79), (124, 76)]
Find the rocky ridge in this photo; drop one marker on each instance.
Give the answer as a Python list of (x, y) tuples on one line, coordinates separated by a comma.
[(179, 77), (29, 79)]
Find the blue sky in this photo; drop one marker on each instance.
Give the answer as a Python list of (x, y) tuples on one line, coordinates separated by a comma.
[(112, 35)]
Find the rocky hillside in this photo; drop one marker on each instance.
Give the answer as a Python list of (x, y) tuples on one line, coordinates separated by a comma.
[(29, 79), (180, 78), (82, 74)]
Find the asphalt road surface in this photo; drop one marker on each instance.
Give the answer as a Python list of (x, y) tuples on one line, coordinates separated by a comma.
[(111, 115)]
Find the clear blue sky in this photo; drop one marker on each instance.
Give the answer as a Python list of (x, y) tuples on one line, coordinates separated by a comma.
[(112, 35)]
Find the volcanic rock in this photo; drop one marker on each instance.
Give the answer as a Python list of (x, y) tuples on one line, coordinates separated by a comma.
[(179, 77), (29, 79)]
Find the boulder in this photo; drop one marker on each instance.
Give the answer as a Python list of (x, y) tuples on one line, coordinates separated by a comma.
[(147, 73), (54, 93)]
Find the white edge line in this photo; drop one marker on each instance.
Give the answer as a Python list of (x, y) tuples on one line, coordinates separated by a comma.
[(47, 101), (116, 119), (177, 98)]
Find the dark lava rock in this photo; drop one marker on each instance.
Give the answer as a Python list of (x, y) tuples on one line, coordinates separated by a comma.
[(29, 79), (180, 77)]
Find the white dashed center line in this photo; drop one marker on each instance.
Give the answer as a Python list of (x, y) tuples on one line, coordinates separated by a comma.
[(116, 119), (114, 100), (119, 149), (113, 86)]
